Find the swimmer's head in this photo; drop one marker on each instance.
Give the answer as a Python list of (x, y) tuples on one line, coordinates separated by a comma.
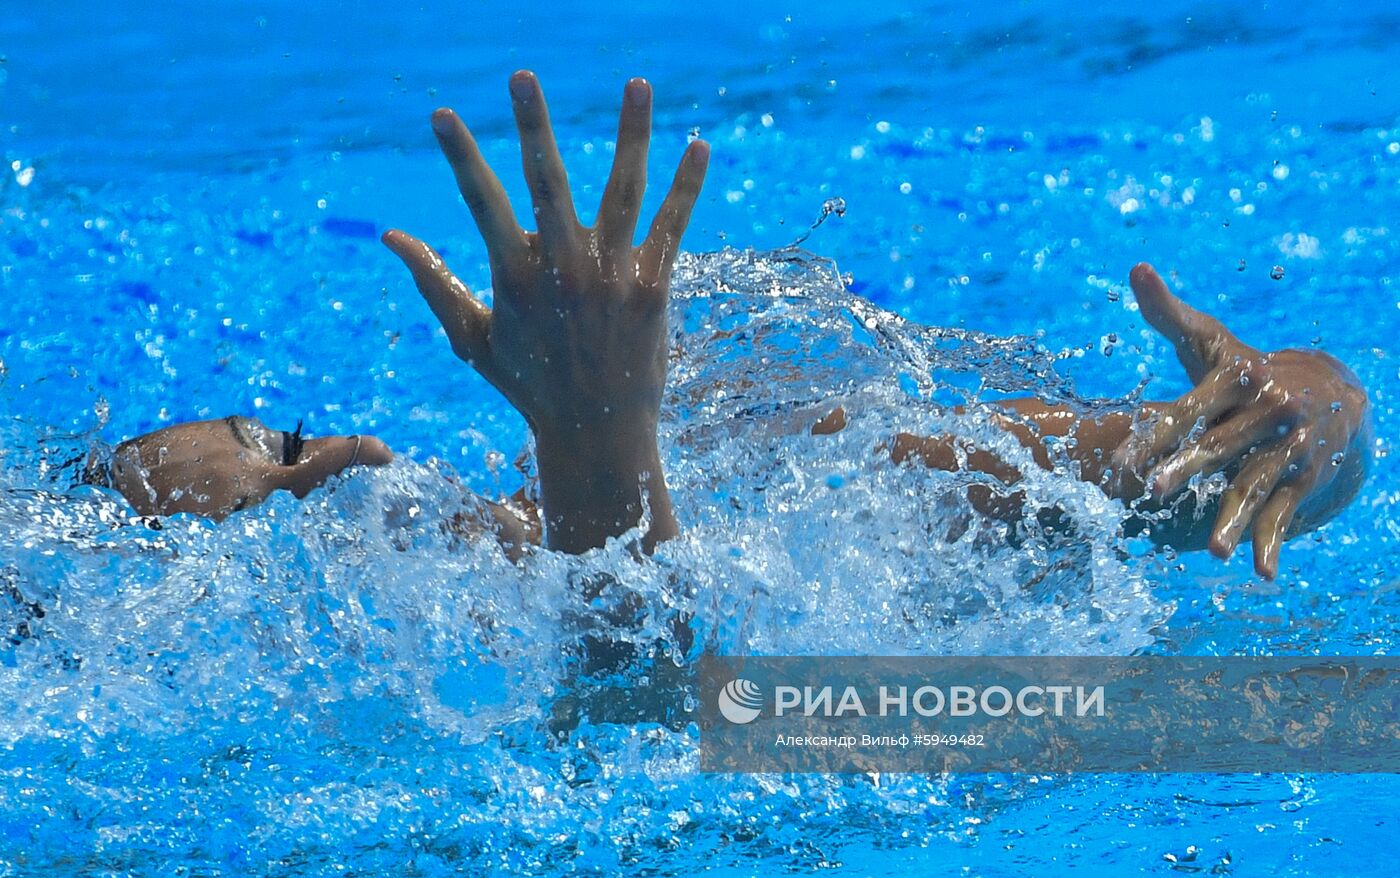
[(214, 468)]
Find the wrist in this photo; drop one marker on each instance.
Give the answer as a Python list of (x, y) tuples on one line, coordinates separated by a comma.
[(610, 446), (596, 484)]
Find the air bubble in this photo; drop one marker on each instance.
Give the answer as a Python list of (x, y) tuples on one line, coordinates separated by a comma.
[(1276, 272)]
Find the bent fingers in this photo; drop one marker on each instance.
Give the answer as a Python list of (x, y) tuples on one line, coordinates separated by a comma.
[(1213, 397), (1271, 527), (1220, 445), (1241, 502)]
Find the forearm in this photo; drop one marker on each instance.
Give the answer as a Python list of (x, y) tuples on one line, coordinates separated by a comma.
[(1089, 457), (594, 486), (1032, 421)]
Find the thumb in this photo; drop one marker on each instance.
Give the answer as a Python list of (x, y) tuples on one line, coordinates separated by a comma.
[(461, 314), (1202, 343)]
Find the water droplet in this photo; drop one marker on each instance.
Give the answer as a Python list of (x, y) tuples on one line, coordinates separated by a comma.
[(1336, 406), (693, 134), (1277, 272), (1244, 380), (1338, 458)]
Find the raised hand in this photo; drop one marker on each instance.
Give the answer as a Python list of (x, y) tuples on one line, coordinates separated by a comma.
[(1290, 427), (576, 339)]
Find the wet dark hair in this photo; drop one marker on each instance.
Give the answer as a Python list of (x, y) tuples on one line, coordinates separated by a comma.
[(292, 444)]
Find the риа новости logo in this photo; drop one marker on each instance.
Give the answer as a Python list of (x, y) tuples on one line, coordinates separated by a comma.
[(740, 701)]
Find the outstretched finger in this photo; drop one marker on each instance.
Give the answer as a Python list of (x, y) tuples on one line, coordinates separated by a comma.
[(622, 199), (1241, 502), (544, 168), (465, 319), (1271, 527), (480, 188), (1202, 343), (1221, 444), (658, 252)]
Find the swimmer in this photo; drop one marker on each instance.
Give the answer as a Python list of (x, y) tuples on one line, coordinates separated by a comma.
[(577, 342), (216, 468)]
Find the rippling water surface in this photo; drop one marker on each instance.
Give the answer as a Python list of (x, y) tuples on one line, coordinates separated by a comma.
[(342, 686)]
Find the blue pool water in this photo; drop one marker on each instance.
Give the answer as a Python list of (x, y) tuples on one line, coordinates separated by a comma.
[(190, 203)]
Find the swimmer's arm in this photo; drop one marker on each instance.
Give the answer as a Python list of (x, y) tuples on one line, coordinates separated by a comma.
[(577, 338), (1291, 430), (1219, 525), (1031, 421), (1089, 457)]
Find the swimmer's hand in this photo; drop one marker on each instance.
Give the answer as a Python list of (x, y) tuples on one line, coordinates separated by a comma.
[(577, 337), (1291, 428)]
